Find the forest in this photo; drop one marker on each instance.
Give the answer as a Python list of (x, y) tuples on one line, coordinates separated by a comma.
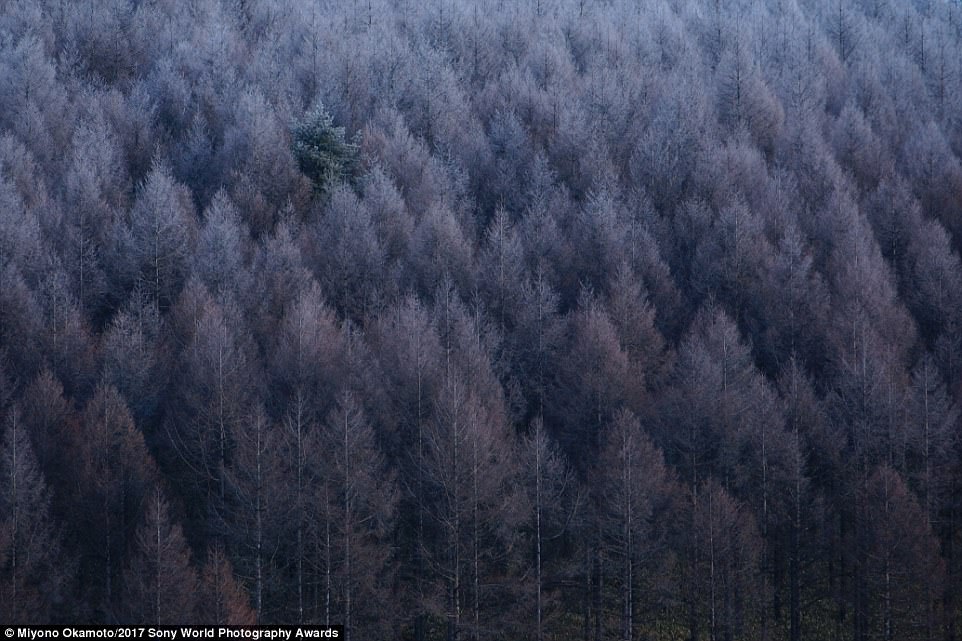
[(470, 320)]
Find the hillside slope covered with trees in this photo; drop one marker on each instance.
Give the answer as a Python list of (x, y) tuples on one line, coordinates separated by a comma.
[(483, 319)]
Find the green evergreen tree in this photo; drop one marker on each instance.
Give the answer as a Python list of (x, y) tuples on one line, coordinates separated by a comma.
[(322, 150)]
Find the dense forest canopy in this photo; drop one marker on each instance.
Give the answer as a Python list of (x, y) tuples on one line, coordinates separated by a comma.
[(483, 319)]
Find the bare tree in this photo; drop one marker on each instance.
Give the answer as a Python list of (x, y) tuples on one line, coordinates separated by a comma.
[(160, 584), (35, 576)]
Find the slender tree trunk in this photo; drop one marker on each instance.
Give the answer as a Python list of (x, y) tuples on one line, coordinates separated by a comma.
[(259, 524), (221, 423), (711, 569), (82, 257), (730, 597), (537, 518), (693, 563), (887, 603), (348, 579), (476, 538), (599, 585), (157, 268), (454, 616), (419, 622), (795, 627), (628, 553), (328, 558), (589, 579), (299, 498), (108, 557), (15, 463), (157, 605), (769, 571)]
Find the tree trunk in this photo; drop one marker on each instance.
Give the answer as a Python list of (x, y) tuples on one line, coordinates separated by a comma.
[(347, 525), (537, 547)]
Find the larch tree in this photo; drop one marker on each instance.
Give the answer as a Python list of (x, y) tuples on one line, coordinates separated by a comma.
[(216, 386), (634, 318), (46, 414), (815, 455), (536, 340), (932, 284), (35, 575), (904, 572), (254, 509), (725, 565), (160, 584), (223, 248), (282, 277), (469, 475), (408, 351), (66, 344), (307, 363), (790, 285), (131, 362), (503, 268), (591, 382), (116, 474), (553, 499), (161, 231), (933, 419), (360, 515), (262, 175), (347, 257), (744, 99), (305, 513), (222, 598), (96, 186), (634, 494)]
